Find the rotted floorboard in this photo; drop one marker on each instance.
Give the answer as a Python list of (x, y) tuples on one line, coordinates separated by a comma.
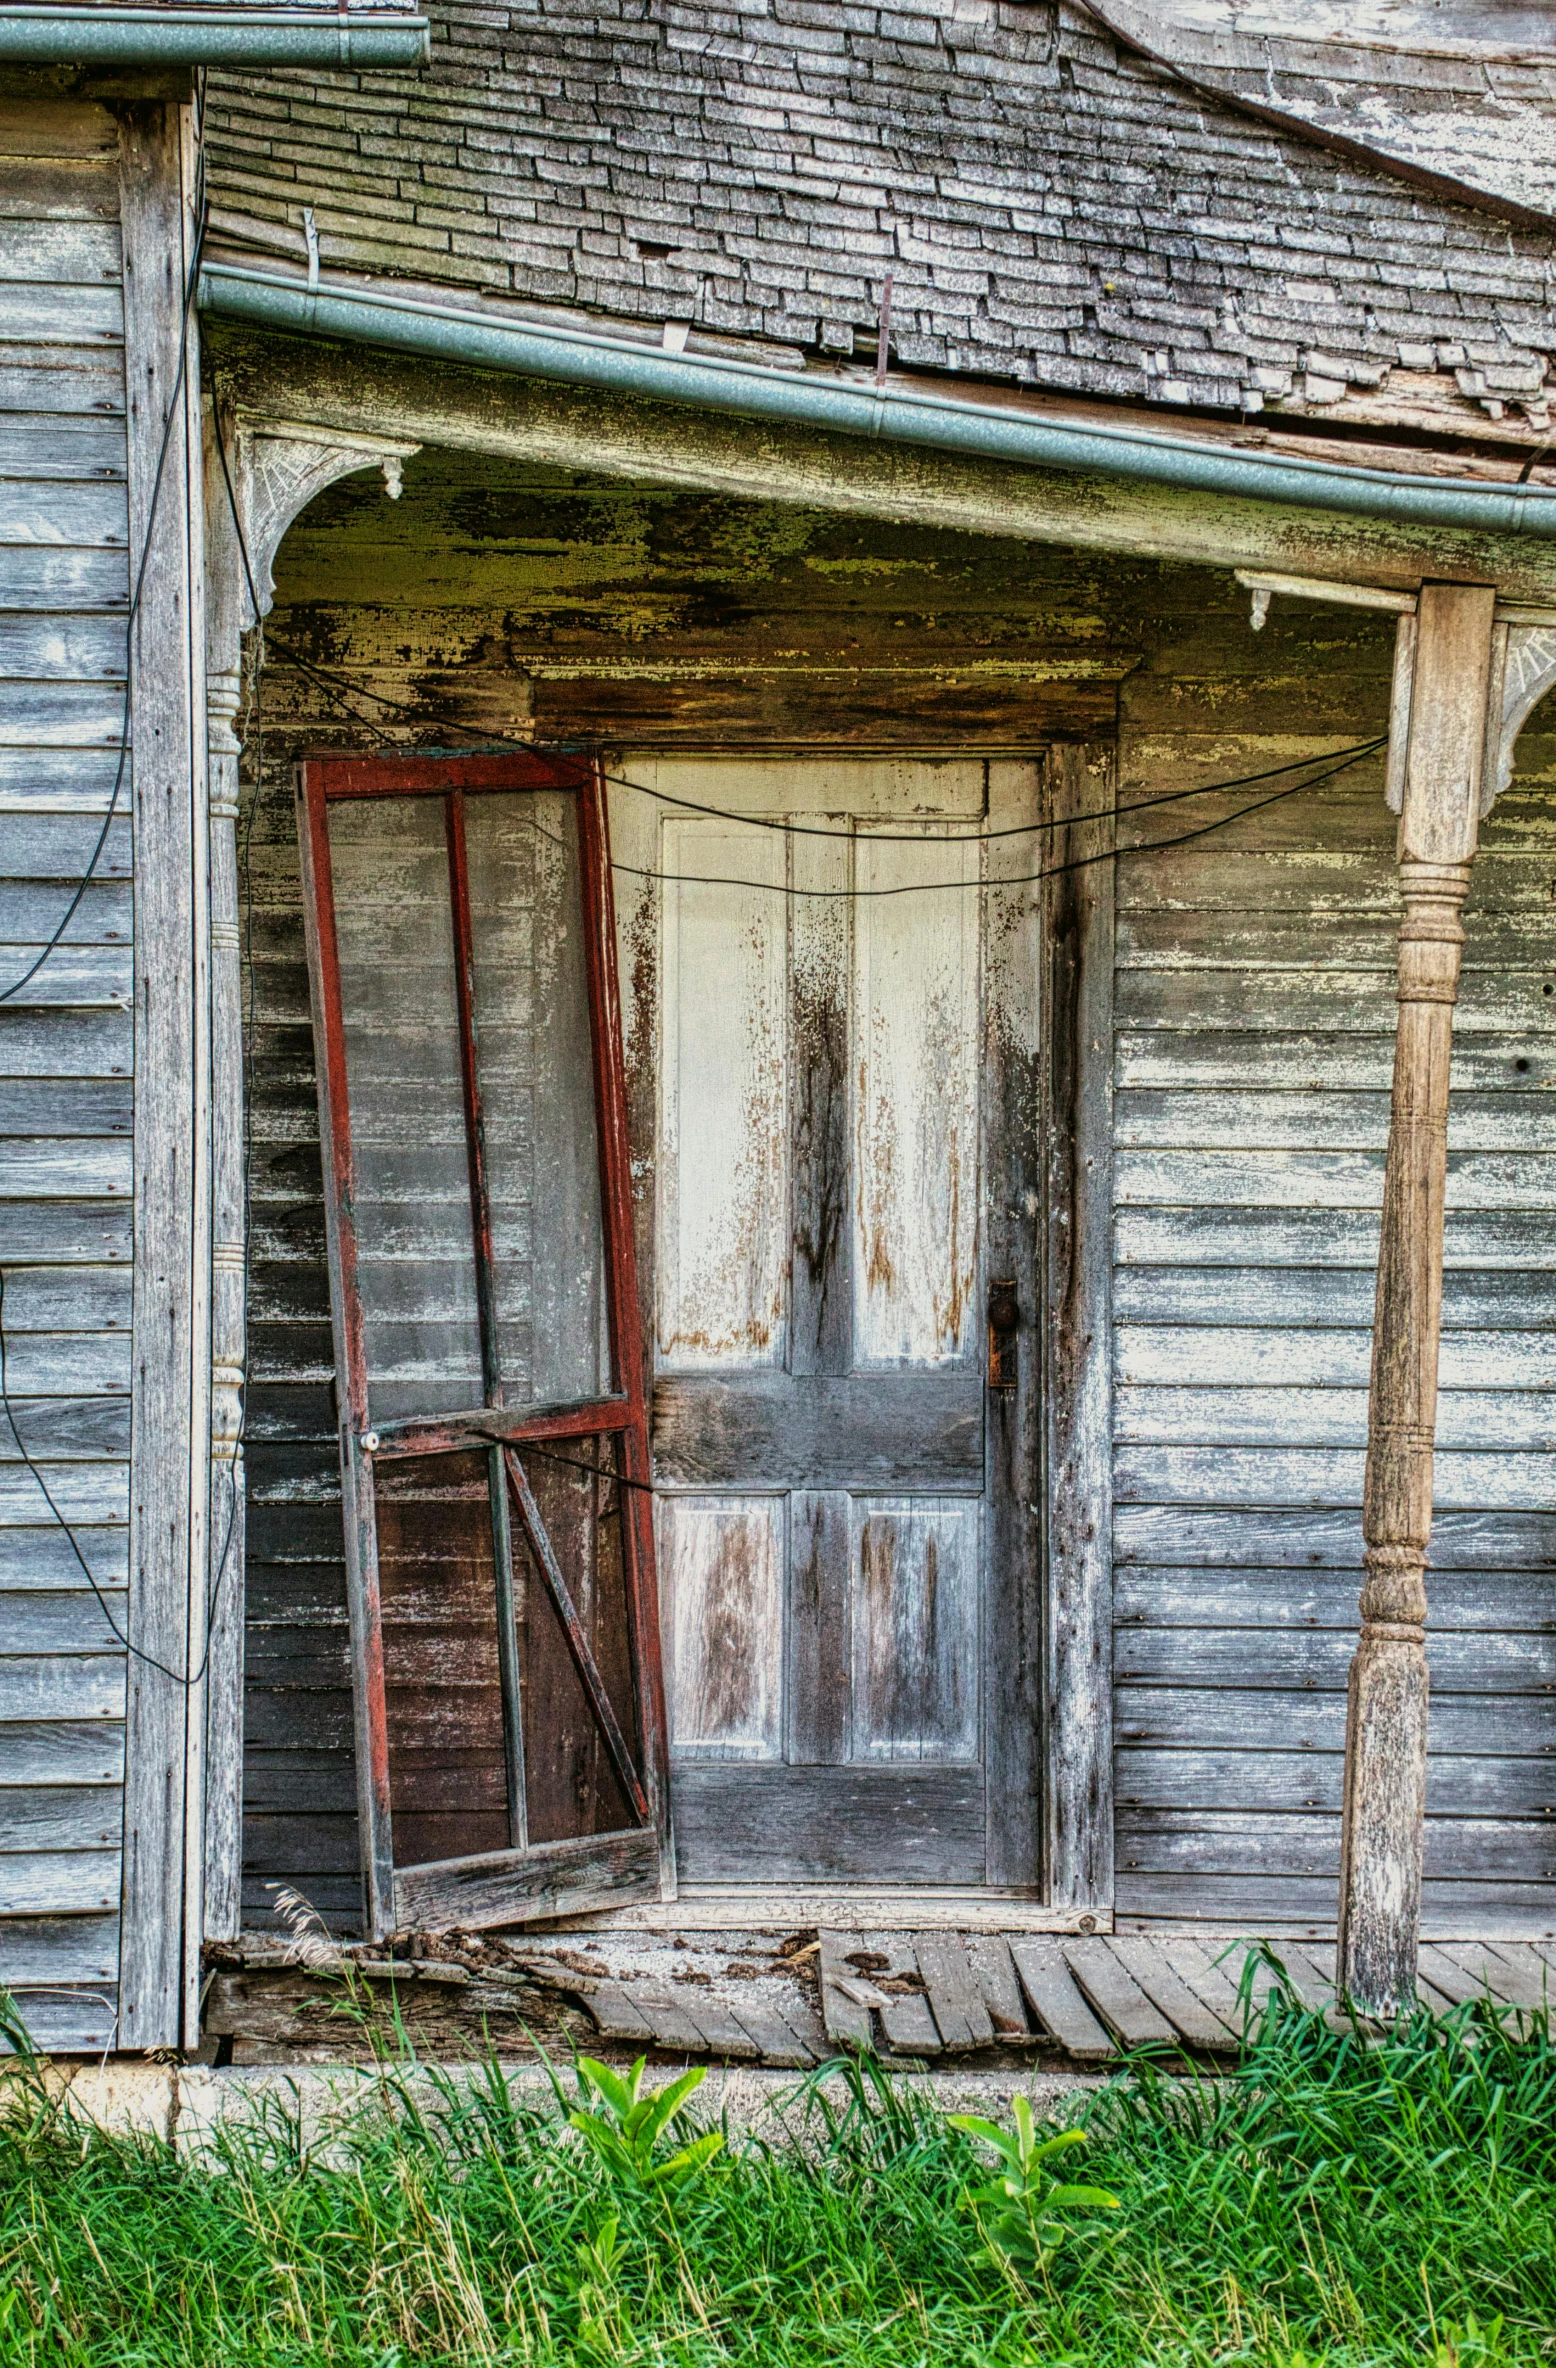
[(939, 1998)]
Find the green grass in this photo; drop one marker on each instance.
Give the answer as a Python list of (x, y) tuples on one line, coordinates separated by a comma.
[(1325, 2202)]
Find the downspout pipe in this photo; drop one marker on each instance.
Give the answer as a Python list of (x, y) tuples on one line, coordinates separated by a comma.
[(575, 357), (210, 36)]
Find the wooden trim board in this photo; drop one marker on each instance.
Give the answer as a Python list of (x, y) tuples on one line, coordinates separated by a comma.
[(774, 1908), (170, 1406), (1077, 1136)]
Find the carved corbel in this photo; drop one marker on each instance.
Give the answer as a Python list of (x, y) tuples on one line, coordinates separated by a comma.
[(1523, 669), (269, 470), (1524, 665)]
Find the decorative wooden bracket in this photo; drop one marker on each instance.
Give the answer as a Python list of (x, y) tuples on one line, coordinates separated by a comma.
[(1523, 666)]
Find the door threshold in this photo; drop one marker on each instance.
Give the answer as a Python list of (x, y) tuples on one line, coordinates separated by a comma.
[(782, 1907)]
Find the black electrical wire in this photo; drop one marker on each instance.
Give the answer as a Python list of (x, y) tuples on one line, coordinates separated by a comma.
[(150, 1660), (1014, 830), (1312, 780), (1052, 871), (335, 687), (136, 593)]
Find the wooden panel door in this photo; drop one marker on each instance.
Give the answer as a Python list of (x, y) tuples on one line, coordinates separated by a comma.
[(846, 1179), (494, 1457)]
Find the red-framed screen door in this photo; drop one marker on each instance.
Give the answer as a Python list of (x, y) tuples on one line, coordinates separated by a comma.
[(494, 1454)]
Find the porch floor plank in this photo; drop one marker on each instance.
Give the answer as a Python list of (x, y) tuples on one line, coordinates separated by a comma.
[(1531, 1982), (770, 2033), (1514, 1980), (988, 1953), (1058, 2002), (1147, 1963), (847, 2022), (675, 2026), (617, 2014), (725, 2035), (1307, 1972), (909, 2026), (1451, 1979), (1117, 1996), (1195, 1964), (955, 2001)]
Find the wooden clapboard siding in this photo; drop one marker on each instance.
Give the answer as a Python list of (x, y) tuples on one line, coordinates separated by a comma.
[(66, 1095), (1252, 1056), (300, 1822)]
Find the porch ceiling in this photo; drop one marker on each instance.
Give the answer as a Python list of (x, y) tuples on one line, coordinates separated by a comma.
[(520, 599)]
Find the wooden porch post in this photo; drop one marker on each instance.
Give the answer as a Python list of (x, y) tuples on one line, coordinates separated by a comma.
[(1440, 770)]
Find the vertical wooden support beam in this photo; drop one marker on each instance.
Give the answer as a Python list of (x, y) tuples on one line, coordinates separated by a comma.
[(1385, 1741), (226, 610), (1077, 1040), (170, 1387), (1013, 949)]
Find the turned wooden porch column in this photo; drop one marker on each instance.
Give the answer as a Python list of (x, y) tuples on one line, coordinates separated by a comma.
[(1385, 1738)]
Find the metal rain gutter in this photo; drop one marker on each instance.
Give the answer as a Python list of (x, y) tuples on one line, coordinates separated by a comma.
[(210, 37), (278, 301)]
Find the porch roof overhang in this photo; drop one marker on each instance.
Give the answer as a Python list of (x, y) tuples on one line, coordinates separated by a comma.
[(212, 36), (286, 303)]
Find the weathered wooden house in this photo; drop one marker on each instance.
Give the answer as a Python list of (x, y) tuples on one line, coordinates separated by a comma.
[(747, 756)]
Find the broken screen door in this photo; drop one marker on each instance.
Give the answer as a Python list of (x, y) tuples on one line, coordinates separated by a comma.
[(846, 1397), (494, 1458)]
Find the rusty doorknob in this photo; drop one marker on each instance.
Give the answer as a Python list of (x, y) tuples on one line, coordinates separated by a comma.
[(1004, 1309)]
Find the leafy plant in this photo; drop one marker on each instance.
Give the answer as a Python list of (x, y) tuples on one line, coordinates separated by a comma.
[(1018, 2211), (1470, 2346), (604, 2322), (625, 2128)]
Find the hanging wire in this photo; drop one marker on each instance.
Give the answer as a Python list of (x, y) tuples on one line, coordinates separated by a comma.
[(337, 687), (1334, 762), (1052, 871), (136, 594), (1014, 830)]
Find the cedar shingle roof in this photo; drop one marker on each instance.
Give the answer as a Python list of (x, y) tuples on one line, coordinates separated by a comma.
[(1055, 209)]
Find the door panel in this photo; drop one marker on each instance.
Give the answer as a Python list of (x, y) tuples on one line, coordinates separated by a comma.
[(437, 1578), (531, 1012), (570, 1784), (493, 1436), (917, 1593), (739, 1824), (723, 1577), (415, 1250), (724, 1243), (915, 1042), (838, 1482)]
